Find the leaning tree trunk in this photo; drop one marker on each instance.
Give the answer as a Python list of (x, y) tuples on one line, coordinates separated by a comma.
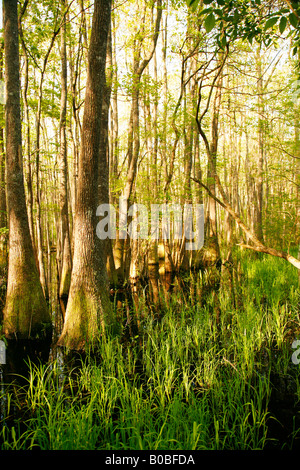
[(26, 314), (89, 309)]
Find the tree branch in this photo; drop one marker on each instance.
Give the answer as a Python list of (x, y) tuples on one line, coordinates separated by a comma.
[(259, 246), (291, 8)]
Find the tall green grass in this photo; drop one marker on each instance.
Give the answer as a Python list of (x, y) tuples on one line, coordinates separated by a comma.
[(184, 382)]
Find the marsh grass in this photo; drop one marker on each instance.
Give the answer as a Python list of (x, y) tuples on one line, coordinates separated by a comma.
[(185, 381)]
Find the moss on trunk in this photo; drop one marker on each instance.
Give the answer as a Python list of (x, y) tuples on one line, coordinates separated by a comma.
[(85, 320), (26, 314)]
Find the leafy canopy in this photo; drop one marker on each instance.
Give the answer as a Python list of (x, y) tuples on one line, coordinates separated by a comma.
[(250, 19)]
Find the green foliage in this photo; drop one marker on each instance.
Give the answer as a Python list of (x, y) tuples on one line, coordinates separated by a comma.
[(248, 20), (282, 24), (271, 22), (209, 22)]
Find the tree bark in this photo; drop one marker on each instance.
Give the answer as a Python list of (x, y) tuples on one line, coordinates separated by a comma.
[(153, 263), (134, 137), (29, 201), (26, 314), (114, 147), (210, 253), (104, 160), (3, 212), (66, 268), (40, 256), (89, 310), (260, 169)]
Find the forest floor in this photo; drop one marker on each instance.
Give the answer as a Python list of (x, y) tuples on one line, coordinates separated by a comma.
[(219, 374)]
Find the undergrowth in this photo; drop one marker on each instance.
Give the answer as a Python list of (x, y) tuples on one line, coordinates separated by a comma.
[(184, 381)]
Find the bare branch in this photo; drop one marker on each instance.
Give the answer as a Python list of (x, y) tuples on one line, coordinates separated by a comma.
[(258, 245)]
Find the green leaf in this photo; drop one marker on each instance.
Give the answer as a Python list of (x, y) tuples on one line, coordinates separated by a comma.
[(293, 20), (209, 22), (221, 2), (207, 2), (282, 24), (218, 12), (284, 11), (271, 22), (191, 2), (295, 4), (236, 16), (205, 11)]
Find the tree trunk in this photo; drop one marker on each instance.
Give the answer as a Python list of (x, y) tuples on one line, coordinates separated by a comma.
[(89, 310), (210, 254), (26, 314), (153, 263), (41, 263), (66, 268), (133, 134), (104, 161), (260, 169), (212, 162), (114, 153), (3, 213), (40, 257), (28, 140)]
